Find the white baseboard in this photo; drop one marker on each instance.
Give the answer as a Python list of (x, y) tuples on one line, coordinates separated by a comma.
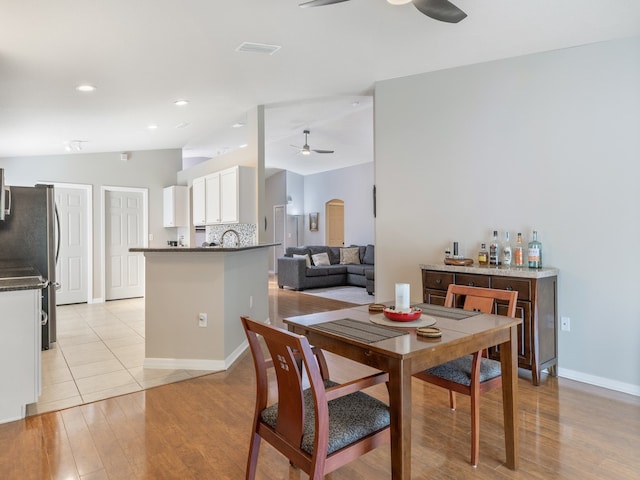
[(600, 381), (97, 300), (185, 364), (196, 363)]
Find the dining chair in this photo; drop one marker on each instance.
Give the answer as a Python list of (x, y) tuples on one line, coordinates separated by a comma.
[(472, 374), (319, 428)]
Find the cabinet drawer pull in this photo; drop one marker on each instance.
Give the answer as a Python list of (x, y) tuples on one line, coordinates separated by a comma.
[(472, 284), (509, 288), (438, 281)]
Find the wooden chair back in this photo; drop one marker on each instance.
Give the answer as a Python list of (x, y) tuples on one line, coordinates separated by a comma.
[(482, 299)]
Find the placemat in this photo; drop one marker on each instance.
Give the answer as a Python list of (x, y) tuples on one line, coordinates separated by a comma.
[(446, 312), (362, 331)]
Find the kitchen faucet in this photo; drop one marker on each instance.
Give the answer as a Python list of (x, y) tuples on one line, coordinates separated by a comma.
[(237, 235)]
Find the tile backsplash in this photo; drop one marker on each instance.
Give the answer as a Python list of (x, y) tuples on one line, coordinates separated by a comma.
[(246, 233)]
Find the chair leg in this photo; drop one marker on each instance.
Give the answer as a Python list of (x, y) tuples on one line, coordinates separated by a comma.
[(475, 408), (452, 399), (252, 461), (475, 428)]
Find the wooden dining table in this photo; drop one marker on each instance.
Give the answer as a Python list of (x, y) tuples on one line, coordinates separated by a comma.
[(399, 351)]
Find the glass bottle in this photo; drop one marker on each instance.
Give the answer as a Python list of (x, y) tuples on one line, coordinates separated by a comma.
[(483, 255), (534, 252), (494, 250), (518, 253), (506, 250)]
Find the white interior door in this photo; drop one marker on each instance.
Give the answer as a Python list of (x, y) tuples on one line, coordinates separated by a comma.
[(73, 261), (124, 228)]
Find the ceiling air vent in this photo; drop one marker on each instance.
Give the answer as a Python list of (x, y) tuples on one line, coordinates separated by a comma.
[(258, 48)]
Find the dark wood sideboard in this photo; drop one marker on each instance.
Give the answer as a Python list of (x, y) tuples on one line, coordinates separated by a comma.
[(537, 306)]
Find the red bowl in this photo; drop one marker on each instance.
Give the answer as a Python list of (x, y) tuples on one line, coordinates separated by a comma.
[(391, 314)]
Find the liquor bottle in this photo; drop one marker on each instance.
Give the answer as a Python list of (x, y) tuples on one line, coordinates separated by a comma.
[(518, 254), (506, 251), (534, 252), (494, 250), (483, 256)]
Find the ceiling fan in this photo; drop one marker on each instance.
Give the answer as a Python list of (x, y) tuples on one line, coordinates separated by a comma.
[(306, 150), (442, 10)]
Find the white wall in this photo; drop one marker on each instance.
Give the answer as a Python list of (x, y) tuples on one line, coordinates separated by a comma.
[(354, 185), (548, 141), (151, 169)]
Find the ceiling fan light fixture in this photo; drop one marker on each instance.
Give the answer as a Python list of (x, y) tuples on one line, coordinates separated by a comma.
[(305, 150), (398, 2)]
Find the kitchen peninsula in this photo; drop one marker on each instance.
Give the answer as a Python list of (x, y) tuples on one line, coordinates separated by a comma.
[(194, 298)]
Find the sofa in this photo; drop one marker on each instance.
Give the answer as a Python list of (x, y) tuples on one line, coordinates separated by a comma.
[(320, 266)]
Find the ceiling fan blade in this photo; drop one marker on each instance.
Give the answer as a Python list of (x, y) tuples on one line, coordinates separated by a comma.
[(322, 151), (442, 10), (320, 3)]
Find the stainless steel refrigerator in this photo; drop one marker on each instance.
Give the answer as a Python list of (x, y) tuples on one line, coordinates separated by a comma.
[(29, 237)]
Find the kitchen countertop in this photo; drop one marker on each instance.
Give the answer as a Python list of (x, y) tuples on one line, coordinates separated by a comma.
[(522, 272), (202, 249), (18, 276)]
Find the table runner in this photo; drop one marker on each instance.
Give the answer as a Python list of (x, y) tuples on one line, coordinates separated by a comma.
[(362, 331)]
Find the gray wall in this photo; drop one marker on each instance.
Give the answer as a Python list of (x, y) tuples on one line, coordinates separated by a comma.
[(151, 169), (547, 141), (354, 185)]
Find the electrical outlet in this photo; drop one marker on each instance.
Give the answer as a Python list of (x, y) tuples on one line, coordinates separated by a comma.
[(202, 319), (565, 324)]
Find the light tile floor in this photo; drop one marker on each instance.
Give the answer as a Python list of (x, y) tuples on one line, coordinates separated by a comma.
[(99, 354)]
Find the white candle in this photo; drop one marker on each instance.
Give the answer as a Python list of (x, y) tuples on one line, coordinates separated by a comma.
[(402, 298)]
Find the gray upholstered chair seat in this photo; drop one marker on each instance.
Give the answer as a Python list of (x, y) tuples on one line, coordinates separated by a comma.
[(459, 370), (351, 418)]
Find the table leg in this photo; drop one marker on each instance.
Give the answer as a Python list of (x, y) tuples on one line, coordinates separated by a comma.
[(400, 406), (509, 363)]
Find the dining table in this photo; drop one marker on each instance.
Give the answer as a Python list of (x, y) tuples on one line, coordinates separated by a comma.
[(396, 348)]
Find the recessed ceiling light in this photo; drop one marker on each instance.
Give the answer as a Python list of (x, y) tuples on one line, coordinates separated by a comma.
[(181, 103), (237, 125), (244, 145), (152, 127), (85, 88)]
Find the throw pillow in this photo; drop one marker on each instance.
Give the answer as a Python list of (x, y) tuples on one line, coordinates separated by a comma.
[(349, 256), (320, 259), (305, 256), (368, 255)]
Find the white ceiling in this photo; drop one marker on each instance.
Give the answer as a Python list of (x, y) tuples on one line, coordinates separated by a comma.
[(142, 55)]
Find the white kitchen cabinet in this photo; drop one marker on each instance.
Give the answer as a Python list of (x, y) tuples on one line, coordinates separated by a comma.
[(20, 337), (212, 195), (175, 206), (238, 195), (227, 196), (199, 200)]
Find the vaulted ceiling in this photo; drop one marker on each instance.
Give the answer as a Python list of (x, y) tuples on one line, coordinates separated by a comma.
[(144, 55)]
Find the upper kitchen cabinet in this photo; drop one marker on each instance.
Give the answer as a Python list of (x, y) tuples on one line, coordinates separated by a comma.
[(175, 206), (212, 198), (198, 210), (227, 196)]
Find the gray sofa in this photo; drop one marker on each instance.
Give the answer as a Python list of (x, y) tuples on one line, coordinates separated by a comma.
[(300, 272)]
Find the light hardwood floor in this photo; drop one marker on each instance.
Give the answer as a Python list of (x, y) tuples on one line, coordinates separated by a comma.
[(199, 429)]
